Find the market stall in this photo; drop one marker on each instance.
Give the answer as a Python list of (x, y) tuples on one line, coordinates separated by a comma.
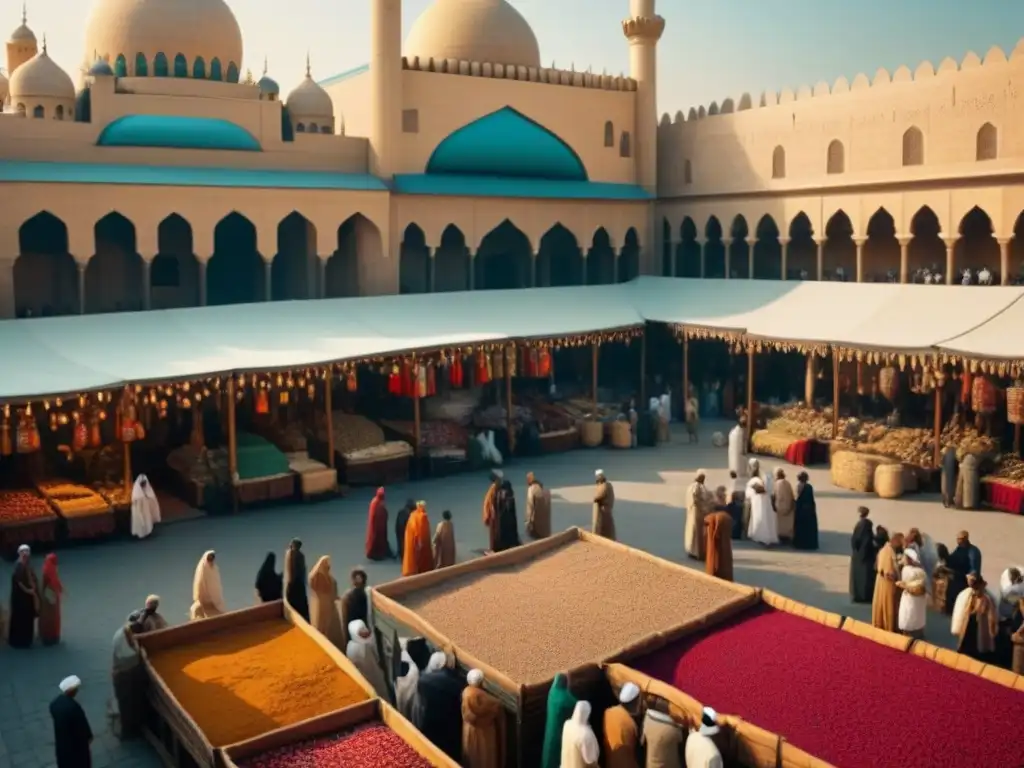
[(229, 679), (519, 641)]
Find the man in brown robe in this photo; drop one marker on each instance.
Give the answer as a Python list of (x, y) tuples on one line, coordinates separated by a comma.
[(538, 508), (785, 506), (885, 604), (444, 541), (483, 725), (979, 624), (604, 503), (490, 514), (718, 544), (697, 503), (620, 736)]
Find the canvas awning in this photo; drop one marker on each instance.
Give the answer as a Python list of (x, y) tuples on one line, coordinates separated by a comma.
[(998, 338)]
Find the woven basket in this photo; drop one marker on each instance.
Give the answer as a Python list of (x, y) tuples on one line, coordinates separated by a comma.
[(889, 481), (888, 382), (1015, 405), (856, 471), (768, 443), (622, 435), (983, 395), (911, 482), (591, 433)]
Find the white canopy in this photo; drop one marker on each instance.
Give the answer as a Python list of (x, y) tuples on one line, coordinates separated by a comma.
[(998, 338)]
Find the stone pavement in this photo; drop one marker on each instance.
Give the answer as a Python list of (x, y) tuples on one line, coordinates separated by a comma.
[(106, 581)]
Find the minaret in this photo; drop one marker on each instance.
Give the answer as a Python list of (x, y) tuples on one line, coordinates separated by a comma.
[(385, 85), (643, 29), (22, 46)]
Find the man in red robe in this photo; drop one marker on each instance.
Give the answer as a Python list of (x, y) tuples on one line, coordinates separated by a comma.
[(377, 547)]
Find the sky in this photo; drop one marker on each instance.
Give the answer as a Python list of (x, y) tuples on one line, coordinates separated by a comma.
[(711, 49)]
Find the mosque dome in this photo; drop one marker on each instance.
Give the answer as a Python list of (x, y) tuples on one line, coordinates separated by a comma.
[(4, 90), (23, 34), (40, 77), (474, 30), (309, 100), (100, 68), (269, 86), (197, 38)]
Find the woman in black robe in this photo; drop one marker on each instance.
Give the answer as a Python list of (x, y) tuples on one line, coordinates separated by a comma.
[(735, 510), (437, 712), (862, 560), (24, 602), (401, 520), (508, 524), (805, 521), (269, 583), (295, 579), (354, 603)]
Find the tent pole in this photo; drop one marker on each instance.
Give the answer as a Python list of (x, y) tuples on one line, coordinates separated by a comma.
[(509, 357), (643, 364), (232, 441), (835, 393), (937, 449), (593, 376), (686, 369), (1016, 439), (415, 409), (329, 414), (750, 396), (127, 467)]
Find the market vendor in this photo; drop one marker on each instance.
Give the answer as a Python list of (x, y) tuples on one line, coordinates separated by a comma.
[(295, 579), (490, 514), (538, 508), (148, 619), (129, 679), (355, 605), (621, 735), (701, 751), (963, 561), (483, 725), (377, 546)]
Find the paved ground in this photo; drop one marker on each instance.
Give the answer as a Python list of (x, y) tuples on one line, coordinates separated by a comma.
[(105, 582)]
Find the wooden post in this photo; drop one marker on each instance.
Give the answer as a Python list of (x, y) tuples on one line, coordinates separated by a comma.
[(937, 450), (593, 376), (1016, 439), (643, 366), (415, 410), (750, 396), (509, 357), (127, 468), (835, 394), (232, 434), (686, 369), (329, 408)]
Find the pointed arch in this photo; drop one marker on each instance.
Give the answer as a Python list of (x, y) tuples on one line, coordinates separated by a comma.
[(738, 250), (414, 269), (802, 251), (160, 65), (609, 134), (689, 251), (120, 66), (451, 261), (779, 163), (114, 277), (199, 69), (839, 257), (836, 158), (628, 267), (601, 259), (503, 260), (180, 65), (767, 250), (714, 248), (294, 272), (215, 73), (881, 251), (45, 274), (976, 249), (174, 273), (926, 252), (141, 65), (559, 259), (986, 144), (232, 72), (913, 147), (235, 274), (354, 269)]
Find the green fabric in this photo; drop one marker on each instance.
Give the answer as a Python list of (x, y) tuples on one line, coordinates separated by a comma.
[(258, 458), (561, 704)]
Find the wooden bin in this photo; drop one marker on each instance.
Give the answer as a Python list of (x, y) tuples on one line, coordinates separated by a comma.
[(591, 433), (889, 481), (622, 435)]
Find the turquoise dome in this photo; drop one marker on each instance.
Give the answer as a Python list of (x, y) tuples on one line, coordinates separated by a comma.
[(177, 132), (509, 144), (101, 69)]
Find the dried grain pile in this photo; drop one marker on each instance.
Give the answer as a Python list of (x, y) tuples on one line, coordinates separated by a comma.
[(576, 605)]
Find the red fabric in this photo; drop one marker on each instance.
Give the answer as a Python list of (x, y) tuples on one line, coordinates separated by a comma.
[(51, 578), (395, 381), (456, 371), (799, 453), (1008, 498), (377, 529), (846, 712)]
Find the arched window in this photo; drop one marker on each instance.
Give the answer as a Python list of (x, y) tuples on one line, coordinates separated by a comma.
[(141, 65), (987, 143), (20, 109), (121, 66), (314, 128), (38, 111), (836, 157), (779, 163), (300, 128), (687, 172), (160, 65), (58, 113), (215, 69), (325, 129), (180, 66), (609, 134), (165, 272), (913, 147), (199, 69), (624, 148), (232, 72)]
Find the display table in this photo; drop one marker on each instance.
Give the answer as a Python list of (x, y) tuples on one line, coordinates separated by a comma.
[(807, 453), (1002, 496)]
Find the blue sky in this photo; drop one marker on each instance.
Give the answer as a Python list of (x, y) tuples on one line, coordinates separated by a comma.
[(711, 49)]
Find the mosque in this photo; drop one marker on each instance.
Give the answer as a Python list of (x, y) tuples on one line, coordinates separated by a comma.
[(453, 160)]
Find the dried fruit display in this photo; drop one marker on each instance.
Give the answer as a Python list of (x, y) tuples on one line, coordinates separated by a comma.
[(433, 434), (351, 432), (81, 507), (578, 604), (747, 666), (368, 746), (23, 506), (63, 489), (392, 449), (246, 681), (115, 494), (1009, 471)]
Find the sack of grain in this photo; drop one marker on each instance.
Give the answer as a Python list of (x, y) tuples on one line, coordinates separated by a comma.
[(888, 382), (856, 471), (889, 481), (983, 395), (622, 435)]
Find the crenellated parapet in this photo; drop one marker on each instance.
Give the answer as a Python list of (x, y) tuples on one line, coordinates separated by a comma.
[(924, 71), (551, 76)]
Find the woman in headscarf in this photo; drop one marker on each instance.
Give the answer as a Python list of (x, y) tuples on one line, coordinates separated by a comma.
[(401, 521), (363, 654), (508, 523), (207, 591), (763, 527), (145, 508), (269, 583), (538, 508), (785, 506), (805, 515), (580, 748), (406, 685), (295, 579), (418, 556), (377, 547), (49, 605), (483, 725), (323, 607), (21, 627), (561, 703)]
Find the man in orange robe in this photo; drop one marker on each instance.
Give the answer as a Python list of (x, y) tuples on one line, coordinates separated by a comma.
[(417, 555), (377, 547), (718, 545)]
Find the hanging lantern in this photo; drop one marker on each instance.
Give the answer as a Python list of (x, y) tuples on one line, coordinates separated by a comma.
[(888, 383), (395, 380), (983, 395), (80, 435), (351, 381), (455, 372), (28, 433), (1015, 404), (95, 436), (6, 448), (262, 402), (544, 363)]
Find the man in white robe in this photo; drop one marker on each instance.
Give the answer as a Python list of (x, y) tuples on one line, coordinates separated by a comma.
[(763, 527), (696, 507), (407, 686), (737, 448), (913, 584), (580, 748), (701, 751), (363, 654), (145, 508)]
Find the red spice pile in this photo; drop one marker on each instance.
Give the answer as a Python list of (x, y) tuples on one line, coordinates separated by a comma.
[(368, 746), (843, 699)]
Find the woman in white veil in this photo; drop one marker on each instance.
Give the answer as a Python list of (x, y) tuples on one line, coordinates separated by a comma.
[(207, 591), (579, 743), (145, 508)]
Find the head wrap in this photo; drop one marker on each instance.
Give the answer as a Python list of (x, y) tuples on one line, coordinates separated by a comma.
[(71, 683), (380, 492), (24, 549), (497, 474), (628, 693), (152, 600), (355, 629), (702, 472), (437, 662), (598, 473), (708, 722), (583, 734), (475, 677), (911, 554), (963, 535)]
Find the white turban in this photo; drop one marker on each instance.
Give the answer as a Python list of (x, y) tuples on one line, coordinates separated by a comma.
[(497, 473), (701, 472), (70, 684), (436, 662), (355, 629), (152, 599), (598, 473), (911, 554), (708, 722), (24, 549), (628, 693), (475, 677)]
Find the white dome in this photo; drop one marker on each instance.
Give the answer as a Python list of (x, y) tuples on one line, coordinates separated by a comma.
[(473, 30), (40, 77), (309, 100), (23, 34), (205, 29)]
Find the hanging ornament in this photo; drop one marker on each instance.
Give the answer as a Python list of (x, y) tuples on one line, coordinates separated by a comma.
[(79, 435), (351, 380), (262, 402)]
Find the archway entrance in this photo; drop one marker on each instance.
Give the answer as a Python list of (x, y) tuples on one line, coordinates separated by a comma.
[(839, 260), (688, 254), (601, 259), (351, 269), (414, 269), (114, 277), (881, 252), (503, 260), (559, 261), (977, 249), (235, 273), (714, 249), (451, 261), (802, 252), (926, 253), (45, 274), (767, 251), (629, 257), (174, 273), (294, 271)]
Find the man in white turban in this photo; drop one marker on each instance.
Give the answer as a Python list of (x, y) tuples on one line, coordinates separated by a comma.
[(701, 751), (603, 523), (698, 499), (362, 652), (207, 590), (621, 734), (145, 508), (72, 734), (579, 743)]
